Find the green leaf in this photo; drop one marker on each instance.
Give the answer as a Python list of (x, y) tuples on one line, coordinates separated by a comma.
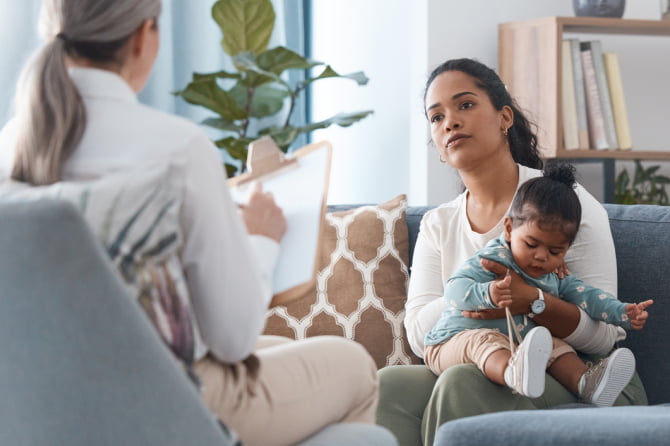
[(279, 59), (662, 179), (256, 76), (266, 100), (237, 148), (328, 72), (208, 94), (217, 75), (246, 24), (231, 170), (222, 124), (650, 171), (282, 136), (341, 119)]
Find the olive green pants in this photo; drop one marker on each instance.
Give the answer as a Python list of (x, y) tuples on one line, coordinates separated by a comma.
[(414, 403)]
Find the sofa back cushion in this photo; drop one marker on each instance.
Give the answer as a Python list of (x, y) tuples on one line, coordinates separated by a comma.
[(642, 241), (361, 285)]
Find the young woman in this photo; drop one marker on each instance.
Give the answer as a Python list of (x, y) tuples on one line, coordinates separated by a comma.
[(77, 118), (479, 131)]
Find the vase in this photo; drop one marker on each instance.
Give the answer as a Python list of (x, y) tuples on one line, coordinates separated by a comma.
[(665, 9), (599, 8)]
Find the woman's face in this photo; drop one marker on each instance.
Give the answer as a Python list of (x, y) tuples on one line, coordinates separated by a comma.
[(464, 125)]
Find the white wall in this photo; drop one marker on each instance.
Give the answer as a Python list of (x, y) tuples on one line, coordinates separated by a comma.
[(370, 158), (397, 43)]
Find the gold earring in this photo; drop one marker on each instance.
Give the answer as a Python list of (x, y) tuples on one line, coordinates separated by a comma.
[(442, 160), (505, 130)]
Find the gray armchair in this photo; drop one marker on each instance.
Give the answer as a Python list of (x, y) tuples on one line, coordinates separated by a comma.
[(81, 364)]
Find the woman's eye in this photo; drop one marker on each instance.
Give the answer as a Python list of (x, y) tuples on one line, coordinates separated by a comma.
[(435, 118), (466, 105)]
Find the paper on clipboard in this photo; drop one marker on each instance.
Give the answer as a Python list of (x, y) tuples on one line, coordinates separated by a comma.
[(299, 184)]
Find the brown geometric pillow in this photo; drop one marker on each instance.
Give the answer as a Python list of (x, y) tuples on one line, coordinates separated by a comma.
[(361, 285)]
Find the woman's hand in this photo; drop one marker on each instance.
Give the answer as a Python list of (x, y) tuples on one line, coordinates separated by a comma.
[(523, 293), (261, 214), (637, 314)]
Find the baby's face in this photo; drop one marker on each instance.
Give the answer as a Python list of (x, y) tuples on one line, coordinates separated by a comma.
[(537, 251)]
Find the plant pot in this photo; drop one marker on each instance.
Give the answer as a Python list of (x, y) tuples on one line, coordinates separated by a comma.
[(599, 8)]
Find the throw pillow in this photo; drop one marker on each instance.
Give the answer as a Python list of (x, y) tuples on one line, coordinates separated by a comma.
[(361, 284), (135, 214)]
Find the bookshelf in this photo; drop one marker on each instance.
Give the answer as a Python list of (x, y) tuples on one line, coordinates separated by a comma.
[(529, 62)]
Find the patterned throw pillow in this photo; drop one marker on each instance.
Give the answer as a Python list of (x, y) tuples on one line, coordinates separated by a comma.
[(136, 216), (361, 285)]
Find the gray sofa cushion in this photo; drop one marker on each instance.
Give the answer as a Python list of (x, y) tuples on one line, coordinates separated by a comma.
[(642, 241), (611, 426)]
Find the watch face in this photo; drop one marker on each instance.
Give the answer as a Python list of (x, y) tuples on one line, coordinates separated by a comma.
[(538, 306)]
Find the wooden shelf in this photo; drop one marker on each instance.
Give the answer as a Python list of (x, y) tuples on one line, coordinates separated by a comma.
[(529, 62), (613, 154)]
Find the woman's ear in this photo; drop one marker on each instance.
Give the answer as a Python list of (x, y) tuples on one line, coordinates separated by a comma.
[(139, 38), (506, 117), (507, 223)]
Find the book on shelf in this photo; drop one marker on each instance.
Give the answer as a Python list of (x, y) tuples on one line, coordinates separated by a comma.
[(612, 69), (597, 132), (580, 98), (568, 104), (603, 87)]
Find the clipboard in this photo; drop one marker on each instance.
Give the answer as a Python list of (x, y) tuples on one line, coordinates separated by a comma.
[(299, 183)]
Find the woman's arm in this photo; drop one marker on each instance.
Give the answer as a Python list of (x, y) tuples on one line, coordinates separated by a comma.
[(424, 296), (559, 317), (229, 287)]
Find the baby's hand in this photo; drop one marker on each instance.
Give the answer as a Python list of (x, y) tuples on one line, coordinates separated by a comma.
[(501, 292), (637, 314)]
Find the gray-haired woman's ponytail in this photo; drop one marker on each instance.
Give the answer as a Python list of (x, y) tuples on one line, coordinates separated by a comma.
[(50, 116), (49, 112)]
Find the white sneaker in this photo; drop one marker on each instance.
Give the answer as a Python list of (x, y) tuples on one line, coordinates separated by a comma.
[(527, 367), (602, 383)]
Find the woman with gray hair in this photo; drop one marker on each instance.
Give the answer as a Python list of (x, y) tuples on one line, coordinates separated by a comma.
[(77, 119)]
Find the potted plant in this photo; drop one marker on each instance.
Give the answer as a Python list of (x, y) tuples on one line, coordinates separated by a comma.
[(257, 89), (647, 187)]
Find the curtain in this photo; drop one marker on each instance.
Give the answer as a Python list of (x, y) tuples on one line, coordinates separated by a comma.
[(190, 42), (18, 38)]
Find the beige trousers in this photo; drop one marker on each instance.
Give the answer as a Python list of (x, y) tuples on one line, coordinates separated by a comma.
[(301, 387), (474, 347)]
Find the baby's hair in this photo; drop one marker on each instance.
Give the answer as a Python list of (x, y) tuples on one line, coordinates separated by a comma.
[(550, 201)]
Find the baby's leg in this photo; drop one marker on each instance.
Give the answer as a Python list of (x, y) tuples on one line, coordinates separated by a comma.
[(599, 384), (468, 347)]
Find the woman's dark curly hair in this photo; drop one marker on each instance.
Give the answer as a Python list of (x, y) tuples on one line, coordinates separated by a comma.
[(550, 201), (521, 136)]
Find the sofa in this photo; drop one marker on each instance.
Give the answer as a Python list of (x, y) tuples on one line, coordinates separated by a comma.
[(118, 384), (642, 240), (81, 363)]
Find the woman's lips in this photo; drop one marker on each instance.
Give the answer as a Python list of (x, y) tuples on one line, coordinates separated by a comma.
[(455, 140)]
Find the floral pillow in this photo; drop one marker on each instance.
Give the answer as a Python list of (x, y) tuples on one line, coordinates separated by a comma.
[(135, 214)]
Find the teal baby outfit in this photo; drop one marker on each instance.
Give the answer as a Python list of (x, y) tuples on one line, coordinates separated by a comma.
[(468, 289)]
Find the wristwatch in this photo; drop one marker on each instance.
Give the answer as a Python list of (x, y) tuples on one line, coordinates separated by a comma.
[(538, 305)]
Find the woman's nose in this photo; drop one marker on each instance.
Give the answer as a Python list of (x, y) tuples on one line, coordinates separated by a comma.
[(451, 124)]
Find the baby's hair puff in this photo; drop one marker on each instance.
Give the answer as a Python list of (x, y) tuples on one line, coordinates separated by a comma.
[(550, 201)]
